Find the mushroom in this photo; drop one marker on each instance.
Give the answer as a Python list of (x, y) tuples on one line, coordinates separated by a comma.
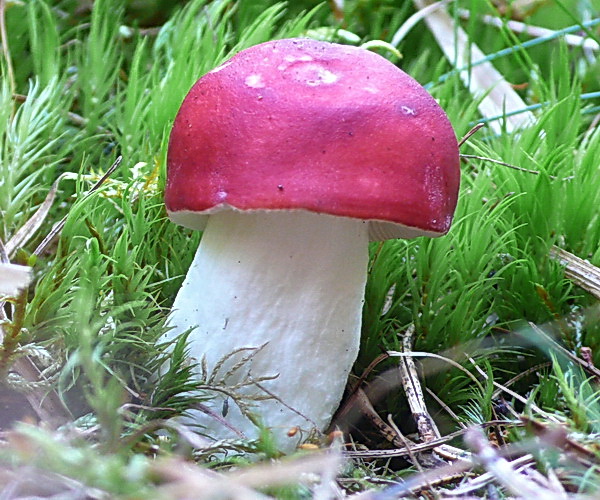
[(290, 157)]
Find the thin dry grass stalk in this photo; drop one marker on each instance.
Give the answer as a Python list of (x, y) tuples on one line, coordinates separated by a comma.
[(182, 478), (27, 483), (484, 81), (418, 448), (36, 386), (517, 482), (60, 224), (558, 437), (28, 230), (549, 342), (533, 31)]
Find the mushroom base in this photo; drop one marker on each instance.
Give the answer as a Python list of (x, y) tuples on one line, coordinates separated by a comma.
[(276, 302)]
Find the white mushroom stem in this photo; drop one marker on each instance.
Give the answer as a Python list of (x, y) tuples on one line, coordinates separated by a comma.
[(292, 282)]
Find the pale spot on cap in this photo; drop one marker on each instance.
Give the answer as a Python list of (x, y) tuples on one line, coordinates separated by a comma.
[(371, 90), (254, 81), (289, 60), (313, 74)]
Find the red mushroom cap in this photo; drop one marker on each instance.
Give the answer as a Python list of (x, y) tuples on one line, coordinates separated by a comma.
[(302, 124)]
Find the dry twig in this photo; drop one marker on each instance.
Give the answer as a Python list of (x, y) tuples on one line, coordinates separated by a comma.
[(514, 481), (533, 31), (549, 341), (497, 97), (579, 271), (409, 378), (512, 393), (60, 224)]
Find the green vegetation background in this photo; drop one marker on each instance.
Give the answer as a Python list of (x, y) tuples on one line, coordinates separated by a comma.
[(85, 85)]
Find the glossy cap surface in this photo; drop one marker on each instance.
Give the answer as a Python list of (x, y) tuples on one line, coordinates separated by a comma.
[(299, 124)]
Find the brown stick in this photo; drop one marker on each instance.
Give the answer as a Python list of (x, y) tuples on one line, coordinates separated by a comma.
[(579, 271), (409, 378)]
